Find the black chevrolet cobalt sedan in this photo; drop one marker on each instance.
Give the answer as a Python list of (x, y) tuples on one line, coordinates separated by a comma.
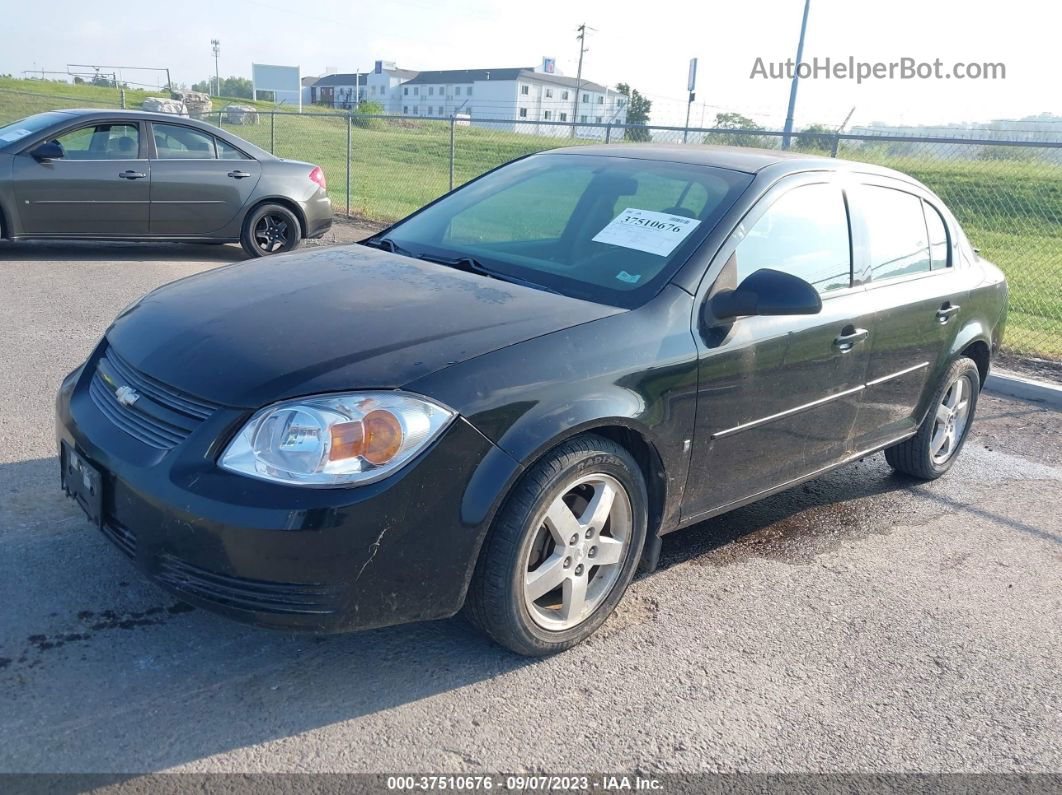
[(502, 402)]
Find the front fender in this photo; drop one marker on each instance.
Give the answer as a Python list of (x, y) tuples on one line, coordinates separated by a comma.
[(632, 374)]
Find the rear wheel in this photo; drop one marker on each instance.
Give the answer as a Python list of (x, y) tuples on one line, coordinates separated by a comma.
[(270, 229), (932, 451), (563, 549)]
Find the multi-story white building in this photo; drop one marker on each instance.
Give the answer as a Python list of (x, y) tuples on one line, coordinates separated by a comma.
[(527, 100), (348, 90), (517, 99)]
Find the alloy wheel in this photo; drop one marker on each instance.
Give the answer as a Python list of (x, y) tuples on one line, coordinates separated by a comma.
[(271, 233), (578, 551), (949, 423)]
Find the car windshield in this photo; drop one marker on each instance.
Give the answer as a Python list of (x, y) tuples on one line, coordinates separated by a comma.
[(606, 229), (17, 130)]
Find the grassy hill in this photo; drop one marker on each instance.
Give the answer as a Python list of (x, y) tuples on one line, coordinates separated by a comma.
[(1010, 208)]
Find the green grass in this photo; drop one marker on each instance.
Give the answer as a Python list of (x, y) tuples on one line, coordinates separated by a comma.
[(1011, 208)]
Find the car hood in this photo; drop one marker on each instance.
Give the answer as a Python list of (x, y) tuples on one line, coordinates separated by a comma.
[(348, 317)]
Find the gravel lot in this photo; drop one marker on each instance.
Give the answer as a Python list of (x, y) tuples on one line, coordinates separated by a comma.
[(858, 623)]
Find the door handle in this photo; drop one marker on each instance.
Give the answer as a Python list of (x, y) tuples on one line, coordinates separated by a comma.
[(849, 337), (946, 311), (132, 174), (238, 174)]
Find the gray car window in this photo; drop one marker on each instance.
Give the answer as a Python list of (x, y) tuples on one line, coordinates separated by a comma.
[(101, 142), (226, 152), (804, 233), (176, 142), (899, 244)]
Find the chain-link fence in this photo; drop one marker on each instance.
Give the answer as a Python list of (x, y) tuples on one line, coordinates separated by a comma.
[(1006, 193)]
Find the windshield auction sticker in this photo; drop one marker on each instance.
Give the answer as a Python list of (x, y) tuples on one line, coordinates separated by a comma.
[(644, 230)]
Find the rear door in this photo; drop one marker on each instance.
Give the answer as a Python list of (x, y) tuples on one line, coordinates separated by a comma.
[(198, 182), (777, 396), (99, 187), (917, 295)]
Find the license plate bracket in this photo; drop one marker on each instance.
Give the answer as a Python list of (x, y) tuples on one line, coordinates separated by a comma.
[(82, 481)]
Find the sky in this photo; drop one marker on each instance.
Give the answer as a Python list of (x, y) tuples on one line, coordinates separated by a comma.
[(645, 44)]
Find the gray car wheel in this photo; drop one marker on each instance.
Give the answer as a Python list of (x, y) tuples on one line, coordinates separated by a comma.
[(270, 229)]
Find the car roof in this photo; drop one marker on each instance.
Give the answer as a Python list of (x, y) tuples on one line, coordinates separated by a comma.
[(131, 113), (734, 158)]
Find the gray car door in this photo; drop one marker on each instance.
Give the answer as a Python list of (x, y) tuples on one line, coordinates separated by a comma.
[(100, 187), (198, 183)]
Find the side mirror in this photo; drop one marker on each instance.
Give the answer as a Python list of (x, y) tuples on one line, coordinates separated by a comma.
[(49, 150), (767, 292)]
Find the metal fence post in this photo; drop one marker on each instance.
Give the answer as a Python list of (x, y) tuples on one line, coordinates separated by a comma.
[(272, 132), (608, 133), (121, 99), (453, 124), (350, 125), (836, 145)]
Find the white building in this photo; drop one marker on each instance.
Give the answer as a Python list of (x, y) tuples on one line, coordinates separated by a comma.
[(527, 100), (347, 90), (516, 99)]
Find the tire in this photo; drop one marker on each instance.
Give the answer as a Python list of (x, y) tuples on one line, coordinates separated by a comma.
[(929, 453), (534, 533), (270, 229)]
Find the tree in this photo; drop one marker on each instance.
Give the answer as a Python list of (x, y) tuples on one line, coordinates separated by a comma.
[(237, 87), (815, 138), (735, 121), (638, 108)]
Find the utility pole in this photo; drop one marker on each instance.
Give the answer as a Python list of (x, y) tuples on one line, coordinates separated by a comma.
[(691, 85), (216, 45), (579, 73), (787, 134)]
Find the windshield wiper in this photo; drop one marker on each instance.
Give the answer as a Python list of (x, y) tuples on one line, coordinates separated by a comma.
[(387, 244), (473, 265)]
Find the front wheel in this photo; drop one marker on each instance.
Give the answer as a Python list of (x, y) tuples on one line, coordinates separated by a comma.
[(931, 452), (563, 548), (270, 229)]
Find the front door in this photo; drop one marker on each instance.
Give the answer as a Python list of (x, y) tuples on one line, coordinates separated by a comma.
[(778, 396), (100, 187), (198, 182)]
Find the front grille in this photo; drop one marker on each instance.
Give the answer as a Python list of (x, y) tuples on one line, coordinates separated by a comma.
[(246, 594), (122, 537), (160, 416)]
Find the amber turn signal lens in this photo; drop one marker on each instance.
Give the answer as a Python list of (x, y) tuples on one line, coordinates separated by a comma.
[(383, 436), (348, 441)]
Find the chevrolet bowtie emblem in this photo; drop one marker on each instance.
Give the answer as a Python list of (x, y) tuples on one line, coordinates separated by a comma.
[(126, 395)]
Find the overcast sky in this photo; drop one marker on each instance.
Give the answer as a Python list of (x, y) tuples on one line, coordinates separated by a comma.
[(645, 44)]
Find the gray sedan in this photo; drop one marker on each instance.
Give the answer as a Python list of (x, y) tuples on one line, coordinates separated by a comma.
[(127, 175)]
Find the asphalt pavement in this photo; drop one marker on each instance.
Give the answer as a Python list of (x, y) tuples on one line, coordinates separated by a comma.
[(861, 622)]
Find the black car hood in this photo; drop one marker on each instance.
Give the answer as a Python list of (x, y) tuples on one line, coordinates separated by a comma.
[(341, 318)]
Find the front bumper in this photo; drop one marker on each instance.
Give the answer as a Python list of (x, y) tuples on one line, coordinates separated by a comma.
[(401, 549)]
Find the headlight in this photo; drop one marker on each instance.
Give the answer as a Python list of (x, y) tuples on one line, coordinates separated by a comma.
[(335, 440)]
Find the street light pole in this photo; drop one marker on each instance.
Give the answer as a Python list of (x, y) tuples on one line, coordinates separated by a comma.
[(787, 134), (216, 44)]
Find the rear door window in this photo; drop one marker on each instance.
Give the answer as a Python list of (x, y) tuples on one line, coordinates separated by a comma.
[(226, 152), (804, 233), (176, 142), (896, 227), (102, 142)]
